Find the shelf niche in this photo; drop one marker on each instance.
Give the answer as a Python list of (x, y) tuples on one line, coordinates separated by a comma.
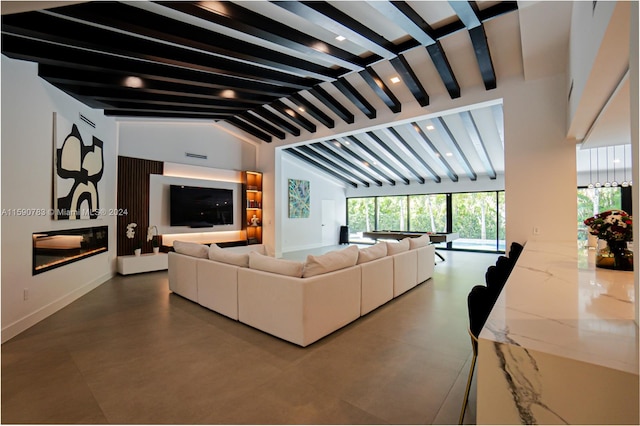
[(252, 200)]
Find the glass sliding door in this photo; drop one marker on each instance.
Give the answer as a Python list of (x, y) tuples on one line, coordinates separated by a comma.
[(475, 218), (428, 213)]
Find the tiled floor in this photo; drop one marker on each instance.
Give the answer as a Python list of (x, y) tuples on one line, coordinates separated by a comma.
[(132, 352)]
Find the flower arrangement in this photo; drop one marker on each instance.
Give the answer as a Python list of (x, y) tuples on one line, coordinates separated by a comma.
[(151, 235), (131, 234), (612, 225)]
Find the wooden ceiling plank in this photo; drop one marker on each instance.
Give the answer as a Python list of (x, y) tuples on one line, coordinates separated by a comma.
[(450, 172), (325, 149), (415, 155), (381, 89), (410, 79), (395, 155), (319, 166), (271, 117), (333, 104), (248, 22), (343, 148), (243, 125), (354, 96), (312, 110), (293, 115), (378, 158)]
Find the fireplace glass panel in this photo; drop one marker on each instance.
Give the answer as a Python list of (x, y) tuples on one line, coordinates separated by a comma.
[(53, 249)]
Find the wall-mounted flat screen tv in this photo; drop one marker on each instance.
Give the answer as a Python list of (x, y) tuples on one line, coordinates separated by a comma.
[(199, 207)]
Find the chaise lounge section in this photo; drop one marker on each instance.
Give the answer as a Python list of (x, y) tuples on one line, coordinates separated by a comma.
[(299, 302)]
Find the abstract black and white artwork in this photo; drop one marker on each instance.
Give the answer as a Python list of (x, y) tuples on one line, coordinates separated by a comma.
[(78, 170)]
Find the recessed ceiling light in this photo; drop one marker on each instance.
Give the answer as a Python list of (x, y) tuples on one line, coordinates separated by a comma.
[(430, 127), (449, 154), (133, 82), (300, 109), (228, 93), (341, 38), (395, 79)]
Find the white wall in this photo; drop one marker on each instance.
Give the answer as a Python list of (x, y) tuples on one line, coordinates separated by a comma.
[(305, 233), (28, 103), (163, 141)]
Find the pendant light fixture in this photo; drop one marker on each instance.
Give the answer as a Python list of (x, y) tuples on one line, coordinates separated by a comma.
[(624, 183), (607, 184), (597, 184), (614, 183), (590, 186)]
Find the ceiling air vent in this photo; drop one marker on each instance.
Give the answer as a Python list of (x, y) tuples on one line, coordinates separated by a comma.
[(192, 155), (86, 120)]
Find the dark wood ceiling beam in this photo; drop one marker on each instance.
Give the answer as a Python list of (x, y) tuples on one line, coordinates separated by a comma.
[(136, 21), (328, 162), (319, 146), (378, 158), (243, 125), (395, 155), (312, 110), (110, 43), (381, 89), (354, 96), (18, 47), (478, 142), (333, 104), (415, 155), (145, 95), (469, 15), (248, 22), (445, 132), (339, 23), (497, 10), (319, 166), (410, 79), (450, 172), (413, 23), (163, 106), (59, 76), (263, 125), (163, 114), (293, 115), (345, 149), (273, 118)]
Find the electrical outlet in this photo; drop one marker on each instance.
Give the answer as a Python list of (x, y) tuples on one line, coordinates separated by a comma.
[(25, 294)]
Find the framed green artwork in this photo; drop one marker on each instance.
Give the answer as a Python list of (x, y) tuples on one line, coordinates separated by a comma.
[(299, 198)]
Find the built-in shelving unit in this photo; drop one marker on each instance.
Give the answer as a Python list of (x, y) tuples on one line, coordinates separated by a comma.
[(252, 194)]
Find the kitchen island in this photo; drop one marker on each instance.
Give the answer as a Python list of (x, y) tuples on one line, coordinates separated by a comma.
[(560, 345)]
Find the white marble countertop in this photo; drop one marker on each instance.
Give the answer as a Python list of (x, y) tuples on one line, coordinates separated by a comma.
[(557, 302)]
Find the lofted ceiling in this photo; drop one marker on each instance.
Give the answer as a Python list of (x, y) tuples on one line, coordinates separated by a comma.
[(276, 70)]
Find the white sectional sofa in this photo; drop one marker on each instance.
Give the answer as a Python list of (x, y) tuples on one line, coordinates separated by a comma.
[(300, 302)]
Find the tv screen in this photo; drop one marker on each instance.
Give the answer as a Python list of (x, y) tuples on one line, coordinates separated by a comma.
[(199, 207)]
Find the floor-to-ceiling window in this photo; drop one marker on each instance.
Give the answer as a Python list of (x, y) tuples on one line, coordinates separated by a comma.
[(478, 217)]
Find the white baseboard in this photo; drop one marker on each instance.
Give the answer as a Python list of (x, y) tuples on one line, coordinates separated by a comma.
[(33, 318)]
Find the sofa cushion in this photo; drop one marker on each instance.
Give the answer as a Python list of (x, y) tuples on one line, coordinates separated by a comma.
[(399, 247), (261, 262), (332, 261), (420, 241), (225, 256), (191, 249), (374, 252)]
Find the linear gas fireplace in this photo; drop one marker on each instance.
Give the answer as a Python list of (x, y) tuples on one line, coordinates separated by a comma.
[(53, 249)]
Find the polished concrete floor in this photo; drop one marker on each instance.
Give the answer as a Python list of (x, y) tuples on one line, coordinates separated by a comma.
[(131, 352)]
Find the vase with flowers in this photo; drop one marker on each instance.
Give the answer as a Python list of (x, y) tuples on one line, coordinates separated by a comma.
[(153, 237), (615, 228), (131, 234)]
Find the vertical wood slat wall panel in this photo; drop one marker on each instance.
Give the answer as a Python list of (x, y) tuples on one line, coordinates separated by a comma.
[(133, 198)]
